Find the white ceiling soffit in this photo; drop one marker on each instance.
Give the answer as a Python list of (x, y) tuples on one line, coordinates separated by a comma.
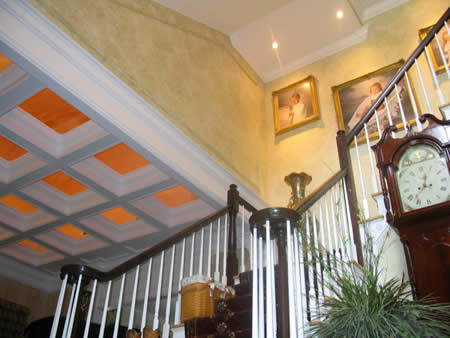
[(306, 31), (367, 9), (225, 16)]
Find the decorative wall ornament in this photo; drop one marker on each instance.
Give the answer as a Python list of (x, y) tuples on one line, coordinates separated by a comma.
[(353, 99), (295, 105), (298, 183)]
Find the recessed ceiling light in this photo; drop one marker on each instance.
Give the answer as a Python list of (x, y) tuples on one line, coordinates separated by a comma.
[(274, 45), (340, 14)]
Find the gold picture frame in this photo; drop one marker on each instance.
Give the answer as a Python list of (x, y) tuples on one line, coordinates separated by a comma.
[(433, 48), (353, 98), (295, 105)]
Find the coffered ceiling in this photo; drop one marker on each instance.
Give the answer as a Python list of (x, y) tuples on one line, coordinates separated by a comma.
[(305, 30), (73, 192)]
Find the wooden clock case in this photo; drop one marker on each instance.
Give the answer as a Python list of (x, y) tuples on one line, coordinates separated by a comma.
[(425, 232)]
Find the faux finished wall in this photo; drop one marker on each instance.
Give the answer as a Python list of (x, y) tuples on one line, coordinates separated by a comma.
[(188, 71)]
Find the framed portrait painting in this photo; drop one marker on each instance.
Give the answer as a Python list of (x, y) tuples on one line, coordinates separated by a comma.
[(295, 105), (433, 47), (353, 99)]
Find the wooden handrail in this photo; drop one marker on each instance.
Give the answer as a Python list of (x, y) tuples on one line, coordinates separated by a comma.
[(307, 202), (247, 205), (75, 270), (398, 76)]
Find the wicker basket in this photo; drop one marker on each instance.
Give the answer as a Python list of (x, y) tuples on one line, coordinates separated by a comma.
[(196, 301)]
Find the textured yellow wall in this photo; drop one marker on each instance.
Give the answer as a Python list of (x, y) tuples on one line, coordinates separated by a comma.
[(312, 148), (188, 71)]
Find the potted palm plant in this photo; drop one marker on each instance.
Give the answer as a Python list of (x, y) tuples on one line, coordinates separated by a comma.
[(363, 304)]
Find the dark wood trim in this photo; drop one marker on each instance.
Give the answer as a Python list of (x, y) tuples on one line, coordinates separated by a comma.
[(232, 254), (312, 198), (401, 72), (76, 270), (346, 163), (247, 205)]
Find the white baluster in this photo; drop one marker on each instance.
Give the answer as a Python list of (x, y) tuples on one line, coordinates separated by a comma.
[(339, 220), (243, 241), (105, 310), (317, 250), (402, 112), (378, 124), (62, 292), (344, 225), (69, 311), (413, 102), (166, 327), (324, 258), (133, 299), (435, 79), (217, 273), (327, 217), (441, 51), (298, 297), (269, 306), (74, 308), (388, 110), (350, 226), (191, 265), (119, 306), (208, 273), (147, 287), (290, 263), (200, 260), (333, 221), (361, 179), (225, 247), (302, 250), (424, 89), (255, 287), (372, 166), (91, 306), (272, 276), (310, 245), (158, 293), (261, 319), (178, 304)]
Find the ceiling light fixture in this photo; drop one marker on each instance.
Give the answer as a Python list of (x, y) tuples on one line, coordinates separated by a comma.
[(274, 45), (340, 14)]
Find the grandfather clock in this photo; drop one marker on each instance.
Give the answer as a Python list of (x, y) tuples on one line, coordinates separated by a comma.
[(415, 178)]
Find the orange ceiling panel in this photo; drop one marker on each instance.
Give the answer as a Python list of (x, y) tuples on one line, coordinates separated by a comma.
[(32, 245), (72, 231), (18, 204), (122, 159), (53, 111), (65, 183), (4, 62), (176, 196), (10, 151), (119, 215)]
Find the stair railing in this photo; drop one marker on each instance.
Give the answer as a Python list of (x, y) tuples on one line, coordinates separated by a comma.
[(364, 183), (286, 298), (202, 251)]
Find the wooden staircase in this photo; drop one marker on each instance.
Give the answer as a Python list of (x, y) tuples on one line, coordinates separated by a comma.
[(233, 316)]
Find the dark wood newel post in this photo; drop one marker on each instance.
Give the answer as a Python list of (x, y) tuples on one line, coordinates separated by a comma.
[(346, 163), (282, 290), (232, 260)]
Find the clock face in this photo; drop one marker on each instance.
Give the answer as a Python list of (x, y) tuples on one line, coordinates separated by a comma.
[(423, 178)]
